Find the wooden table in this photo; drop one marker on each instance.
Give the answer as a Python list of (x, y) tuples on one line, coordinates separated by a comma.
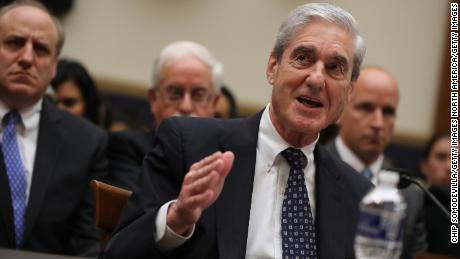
[(18, 254)]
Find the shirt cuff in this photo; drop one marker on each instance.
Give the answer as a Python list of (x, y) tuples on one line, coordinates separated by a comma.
[(165, 238)]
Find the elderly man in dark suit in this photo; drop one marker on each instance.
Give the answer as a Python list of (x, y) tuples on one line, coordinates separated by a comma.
[(186, 77), (366, 127), (48, 156), (264, 189)]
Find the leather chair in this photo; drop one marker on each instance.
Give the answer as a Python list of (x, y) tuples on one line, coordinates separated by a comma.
[(109, 202)]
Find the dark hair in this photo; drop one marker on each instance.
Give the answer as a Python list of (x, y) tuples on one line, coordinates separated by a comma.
[(231, 101), (69, 70), (429, 145)]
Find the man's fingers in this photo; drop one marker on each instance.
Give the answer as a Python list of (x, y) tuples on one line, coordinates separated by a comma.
[(200, 170), (202, 184), (228, 158), (206, 160), (201, 200)]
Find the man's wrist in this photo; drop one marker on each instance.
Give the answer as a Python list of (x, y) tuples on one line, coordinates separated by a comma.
[(175, 222)]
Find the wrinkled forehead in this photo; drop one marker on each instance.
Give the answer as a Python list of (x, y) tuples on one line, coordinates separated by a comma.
[(327, 37)]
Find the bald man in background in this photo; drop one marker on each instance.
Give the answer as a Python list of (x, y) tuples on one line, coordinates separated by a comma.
[(48, 155), (366, 127)]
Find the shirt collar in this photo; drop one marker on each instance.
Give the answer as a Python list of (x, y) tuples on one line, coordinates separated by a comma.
[(347, 155), (271, 143), (28, 118)]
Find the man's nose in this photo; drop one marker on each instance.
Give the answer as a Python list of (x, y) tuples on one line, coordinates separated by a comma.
[(377, 119), (186, 104), (26, 57), (316, 79)]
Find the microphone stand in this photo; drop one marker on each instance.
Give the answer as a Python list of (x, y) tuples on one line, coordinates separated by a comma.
[(406, 180)]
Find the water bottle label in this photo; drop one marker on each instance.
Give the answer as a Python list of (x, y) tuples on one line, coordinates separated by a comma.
[(384, 225)]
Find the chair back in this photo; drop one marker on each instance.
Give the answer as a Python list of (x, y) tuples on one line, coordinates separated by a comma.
[(109, 202)]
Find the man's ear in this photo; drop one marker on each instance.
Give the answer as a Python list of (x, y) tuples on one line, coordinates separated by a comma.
[(351, 89), (54, 69), (152, 99), (272, 68)]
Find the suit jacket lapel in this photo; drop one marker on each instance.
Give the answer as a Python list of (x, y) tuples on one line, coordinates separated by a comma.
[(48, 145), (5, 200), (330, 229), (234, 203), (331, 147)]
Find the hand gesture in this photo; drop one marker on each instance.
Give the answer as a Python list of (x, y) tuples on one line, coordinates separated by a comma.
[(200, 188)]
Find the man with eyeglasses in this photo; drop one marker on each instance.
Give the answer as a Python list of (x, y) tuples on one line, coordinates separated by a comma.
[(185, 80)]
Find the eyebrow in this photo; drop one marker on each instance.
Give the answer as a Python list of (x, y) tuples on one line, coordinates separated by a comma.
[(303, 50)]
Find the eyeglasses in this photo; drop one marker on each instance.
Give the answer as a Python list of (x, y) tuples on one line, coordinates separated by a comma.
[(199, 95)]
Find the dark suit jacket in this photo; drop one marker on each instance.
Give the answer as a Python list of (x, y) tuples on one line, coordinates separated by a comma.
[(126, 151), (60, 212), (414, 231), (438, 225), (222, 229)]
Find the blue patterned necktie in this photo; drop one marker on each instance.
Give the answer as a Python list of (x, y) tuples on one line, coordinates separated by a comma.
[(297, 225), (15, 172), (367, 173)]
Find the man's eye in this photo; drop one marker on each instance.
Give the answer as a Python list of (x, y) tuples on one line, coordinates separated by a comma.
[(14, 43), (300, 61), (389, 111), (41, 50), (365, 107), (199, 94), (174, 93), (335, 69), (301, 57)]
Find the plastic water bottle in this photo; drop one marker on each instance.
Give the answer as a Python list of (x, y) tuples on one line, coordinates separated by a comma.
[(381, 220)]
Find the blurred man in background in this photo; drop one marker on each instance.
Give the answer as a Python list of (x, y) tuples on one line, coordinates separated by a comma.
[(185, 81), (366, 127)]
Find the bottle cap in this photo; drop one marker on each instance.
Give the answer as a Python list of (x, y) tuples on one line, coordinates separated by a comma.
[(388, 177)]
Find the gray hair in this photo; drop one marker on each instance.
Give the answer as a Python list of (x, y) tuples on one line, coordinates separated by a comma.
[(307, 13), (38, 5), (179, 49)]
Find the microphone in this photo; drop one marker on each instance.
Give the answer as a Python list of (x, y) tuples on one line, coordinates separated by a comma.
[(405, 180)]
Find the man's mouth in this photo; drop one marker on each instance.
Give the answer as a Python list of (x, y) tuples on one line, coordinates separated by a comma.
[(313, 103)]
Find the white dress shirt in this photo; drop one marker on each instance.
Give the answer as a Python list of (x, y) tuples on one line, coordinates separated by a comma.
[(27, 135), (270, 180), (352, 160)]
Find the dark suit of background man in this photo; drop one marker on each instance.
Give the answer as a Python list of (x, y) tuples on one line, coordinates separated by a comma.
[(185, 81), (226, 178), (56, 154), (366, 127)]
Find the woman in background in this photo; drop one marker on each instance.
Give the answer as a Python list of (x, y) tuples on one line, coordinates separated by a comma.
[(77, 93), (435, 168)]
